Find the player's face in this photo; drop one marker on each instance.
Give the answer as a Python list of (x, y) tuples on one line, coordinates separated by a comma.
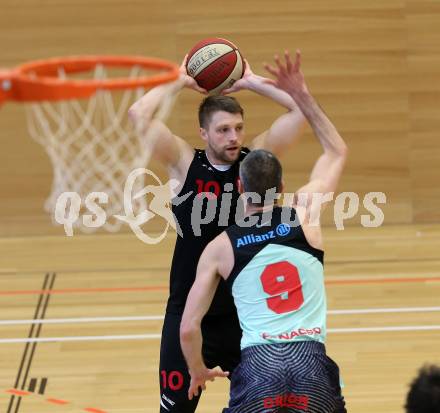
[(224, 137)]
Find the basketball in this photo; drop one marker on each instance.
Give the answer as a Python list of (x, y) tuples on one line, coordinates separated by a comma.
[(215, 64)]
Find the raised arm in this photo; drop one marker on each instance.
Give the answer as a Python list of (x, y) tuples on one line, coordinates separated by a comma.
[(212, 263), (172, 151), (328, 168), (286, 129)]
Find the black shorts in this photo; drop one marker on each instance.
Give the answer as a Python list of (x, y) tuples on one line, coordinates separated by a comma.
[(221, 347), (289, 377)]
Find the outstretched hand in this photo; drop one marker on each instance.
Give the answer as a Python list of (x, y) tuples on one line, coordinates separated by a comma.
[(199, 378), (288, 75), (190, 82)]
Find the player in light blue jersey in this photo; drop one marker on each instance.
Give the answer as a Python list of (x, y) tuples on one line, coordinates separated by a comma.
[(272, 261)]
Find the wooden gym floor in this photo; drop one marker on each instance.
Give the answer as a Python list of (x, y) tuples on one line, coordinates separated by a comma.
[(99, 302)]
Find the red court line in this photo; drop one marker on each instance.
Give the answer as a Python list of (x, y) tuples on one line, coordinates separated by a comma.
[(57, 401), (85, 290), (53, 400), (18, 392), (165, 287), (383, 280)]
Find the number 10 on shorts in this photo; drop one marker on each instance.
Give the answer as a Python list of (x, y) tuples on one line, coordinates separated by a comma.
[(172, 380)]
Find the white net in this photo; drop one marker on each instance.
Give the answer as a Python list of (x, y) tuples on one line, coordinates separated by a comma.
[(93, 146)]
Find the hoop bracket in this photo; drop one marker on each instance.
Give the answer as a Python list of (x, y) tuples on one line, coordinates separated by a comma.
[(6, 84)]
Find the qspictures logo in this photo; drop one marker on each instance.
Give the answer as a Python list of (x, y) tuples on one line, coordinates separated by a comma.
[(207, 207)]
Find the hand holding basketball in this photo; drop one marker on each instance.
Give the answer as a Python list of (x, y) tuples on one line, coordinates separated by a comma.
[(189, 82), (288, 76), (242, 83)]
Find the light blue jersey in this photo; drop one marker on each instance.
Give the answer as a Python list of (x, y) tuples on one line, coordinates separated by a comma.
[(277, 283)]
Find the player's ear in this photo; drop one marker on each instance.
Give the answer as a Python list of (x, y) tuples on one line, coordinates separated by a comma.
[(240, 186), (203, 134), (281, 187)]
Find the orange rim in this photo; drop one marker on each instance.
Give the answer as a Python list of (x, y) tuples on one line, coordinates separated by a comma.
[(38, 80)]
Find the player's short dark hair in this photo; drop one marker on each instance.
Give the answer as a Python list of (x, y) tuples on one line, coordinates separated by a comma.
[(260, 171), (212, 104), (424, 392)]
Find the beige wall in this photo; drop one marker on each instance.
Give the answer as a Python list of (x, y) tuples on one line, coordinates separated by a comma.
[(374, 66)]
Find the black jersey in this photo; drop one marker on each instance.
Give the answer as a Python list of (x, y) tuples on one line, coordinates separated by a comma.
[(202, 177)]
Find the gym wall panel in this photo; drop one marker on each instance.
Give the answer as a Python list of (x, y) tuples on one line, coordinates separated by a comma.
[(373, 66), (424, 114)]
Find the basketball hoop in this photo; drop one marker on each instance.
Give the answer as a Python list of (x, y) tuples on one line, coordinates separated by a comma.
[(83, 125)]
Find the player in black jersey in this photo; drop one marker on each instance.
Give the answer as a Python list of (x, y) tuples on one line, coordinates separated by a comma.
[(211, 170), (273, 263)]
